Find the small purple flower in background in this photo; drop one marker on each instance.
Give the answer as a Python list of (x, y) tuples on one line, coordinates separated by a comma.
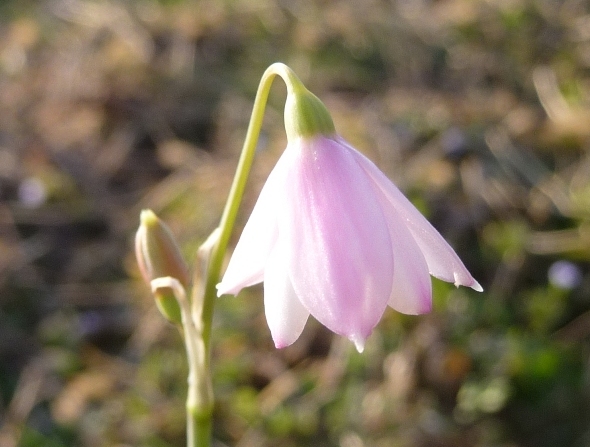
[(564, 275), (331, 236)]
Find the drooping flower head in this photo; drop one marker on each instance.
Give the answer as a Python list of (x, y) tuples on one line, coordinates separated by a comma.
[(331, 236)]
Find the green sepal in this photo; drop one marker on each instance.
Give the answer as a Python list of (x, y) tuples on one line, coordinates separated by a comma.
[(305, 114), (168, 305)]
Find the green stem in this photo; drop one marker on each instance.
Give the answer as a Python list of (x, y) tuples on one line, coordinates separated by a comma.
[(236, 192), (199, 428), (199, 402), (211, 255)]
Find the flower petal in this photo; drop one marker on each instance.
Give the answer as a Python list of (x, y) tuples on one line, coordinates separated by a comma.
[(412, 288), (337, 239), (248, 261), (285, 315), (443, 262)]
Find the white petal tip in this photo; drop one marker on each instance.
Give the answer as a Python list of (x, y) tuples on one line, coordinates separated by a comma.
[(224, 290), (470, 282), (359, 343), (476, 286)]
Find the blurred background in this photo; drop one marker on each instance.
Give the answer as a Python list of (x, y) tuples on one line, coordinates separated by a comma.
[(478, 109)]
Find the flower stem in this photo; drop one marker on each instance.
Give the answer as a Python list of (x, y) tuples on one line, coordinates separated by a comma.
[(210, 258), (236, 192), (199, 402)]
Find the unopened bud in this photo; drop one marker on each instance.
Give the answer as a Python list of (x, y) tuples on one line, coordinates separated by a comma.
[(158, 255)]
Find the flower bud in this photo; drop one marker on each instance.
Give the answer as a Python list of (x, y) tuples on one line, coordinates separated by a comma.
[(159, 256)]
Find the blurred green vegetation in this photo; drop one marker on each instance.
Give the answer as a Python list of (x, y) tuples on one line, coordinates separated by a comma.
[(479, 110)]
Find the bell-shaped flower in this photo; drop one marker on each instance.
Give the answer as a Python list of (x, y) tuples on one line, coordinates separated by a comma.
[(331, 236)]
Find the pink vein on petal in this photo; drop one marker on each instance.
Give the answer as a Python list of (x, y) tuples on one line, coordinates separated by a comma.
[(340, 258), (443, 262)]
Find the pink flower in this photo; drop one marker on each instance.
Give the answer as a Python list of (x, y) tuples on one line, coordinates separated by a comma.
[(331, 236)]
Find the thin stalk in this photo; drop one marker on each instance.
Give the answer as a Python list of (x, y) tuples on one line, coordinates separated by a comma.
[(199, 402), (210, 258), (236, 192)]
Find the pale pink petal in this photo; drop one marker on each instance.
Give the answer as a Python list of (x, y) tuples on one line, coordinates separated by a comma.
[(285, 315), (337, 239), (248, 261), (412, 288), (443, 262)]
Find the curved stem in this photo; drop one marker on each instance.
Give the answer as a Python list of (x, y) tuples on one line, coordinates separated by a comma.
[(210, 258), (236, 192)]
